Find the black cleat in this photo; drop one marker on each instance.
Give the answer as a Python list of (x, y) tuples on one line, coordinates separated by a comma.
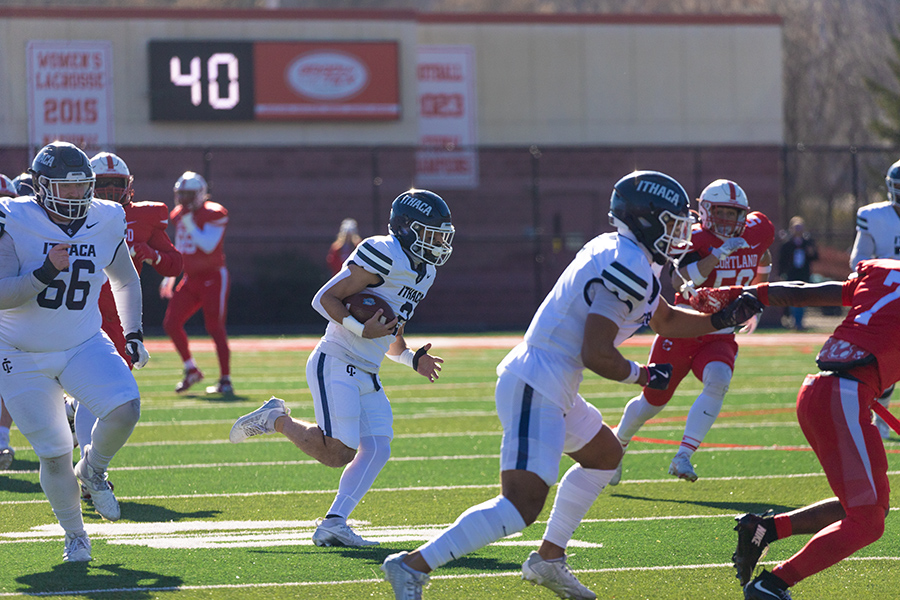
[(752, 545), (766, 587)]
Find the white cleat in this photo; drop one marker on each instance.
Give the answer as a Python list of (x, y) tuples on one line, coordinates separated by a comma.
[(77, 548), (260, 422), (6, 458), (556, 576), (101, 494), (407, 582), (338, 533), (682, 468)]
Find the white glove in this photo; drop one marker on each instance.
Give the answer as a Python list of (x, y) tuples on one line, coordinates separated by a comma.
[(134, 348), (688, 291), (750, 326), (730, 246)]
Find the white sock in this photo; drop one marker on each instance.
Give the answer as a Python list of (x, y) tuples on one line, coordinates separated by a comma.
[(707, 406), (476, 528), (190, 364), (637, 412), (360, 474), (61, 488), (4, 437), (576, 493)]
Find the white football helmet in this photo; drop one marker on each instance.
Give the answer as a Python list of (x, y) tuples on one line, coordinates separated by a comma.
[(114, 180), (728, 194), (7, 187), (191, 190)]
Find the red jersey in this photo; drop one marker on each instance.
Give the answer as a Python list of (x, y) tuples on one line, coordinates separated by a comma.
[(740, 267), (199, 236), (874, 319)]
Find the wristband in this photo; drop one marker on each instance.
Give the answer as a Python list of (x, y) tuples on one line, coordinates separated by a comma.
[(634, 375), (46, 273), (419, 354), (404, 358), (762, 293), (353, 326), (693, 272)]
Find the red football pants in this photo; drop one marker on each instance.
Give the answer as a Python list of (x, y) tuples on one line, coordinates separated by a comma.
[(209, 292), (687, 355)]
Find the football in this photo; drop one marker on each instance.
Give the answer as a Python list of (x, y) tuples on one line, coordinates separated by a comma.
[(362, 306)]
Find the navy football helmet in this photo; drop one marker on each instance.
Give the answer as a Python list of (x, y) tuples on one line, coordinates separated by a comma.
[(893, 183), (62, 164), (656, 210), (23, 184), (420, 220)]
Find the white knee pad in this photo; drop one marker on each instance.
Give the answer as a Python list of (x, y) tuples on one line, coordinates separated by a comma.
[(716, 379)]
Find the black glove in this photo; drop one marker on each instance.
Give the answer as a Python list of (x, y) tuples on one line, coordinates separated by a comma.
[(658, 375), (739, 311), (134, 348)]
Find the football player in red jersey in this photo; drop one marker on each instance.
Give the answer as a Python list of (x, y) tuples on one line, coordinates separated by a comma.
[(834, 409), (729, 246), (199, 233), (147, 242)]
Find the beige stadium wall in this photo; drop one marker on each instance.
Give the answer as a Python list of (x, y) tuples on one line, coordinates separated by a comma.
[(541, 79)]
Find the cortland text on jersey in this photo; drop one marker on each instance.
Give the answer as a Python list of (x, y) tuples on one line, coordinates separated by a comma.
[(80, 250), (739, 261)]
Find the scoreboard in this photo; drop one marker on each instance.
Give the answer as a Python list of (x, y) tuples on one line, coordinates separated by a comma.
[(222, 80)]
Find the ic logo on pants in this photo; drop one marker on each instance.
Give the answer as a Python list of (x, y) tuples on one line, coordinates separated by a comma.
[(351, 370), (7, 365)]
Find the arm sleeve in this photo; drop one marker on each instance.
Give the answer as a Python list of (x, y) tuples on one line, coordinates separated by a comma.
[(126, 289), (15, 289), (170, 260), (209, 236), (863, 248)]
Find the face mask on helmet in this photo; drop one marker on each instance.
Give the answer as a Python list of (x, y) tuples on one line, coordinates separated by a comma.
[(654, 209), (420, 220), (893, 183), (191, 190), (63, 180), (723, 208), (113, 179)]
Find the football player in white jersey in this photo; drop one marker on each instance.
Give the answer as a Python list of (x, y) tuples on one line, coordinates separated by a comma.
[(878, 236), (354, 423), (57, 248), (7, 454), (605, 295)]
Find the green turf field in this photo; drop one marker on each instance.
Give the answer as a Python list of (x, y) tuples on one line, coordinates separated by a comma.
[(203, 518)]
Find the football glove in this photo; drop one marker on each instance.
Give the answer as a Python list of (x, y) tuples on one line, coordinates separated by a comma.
[(729, 247), (134, 348), (739, 311), (658, 375), (144, 253), (710, 300)]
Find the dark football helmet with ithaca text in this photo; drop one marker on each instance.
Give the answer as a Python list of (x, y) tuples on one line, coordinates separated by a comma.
[(420, 220), (62, 164), (893, 183), (114, 180), (655, 209)]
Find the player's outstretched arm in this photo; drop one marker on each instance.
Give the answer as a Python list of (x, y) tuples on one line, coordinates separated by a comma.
[(420, 361), (799, 293)]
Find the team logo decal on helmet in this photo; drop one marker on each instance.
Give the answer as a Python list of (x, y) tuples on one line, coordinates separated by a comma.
[(654, 208), (893, 183), (59, 168), (420, 220), (723, 193), (114, 180)]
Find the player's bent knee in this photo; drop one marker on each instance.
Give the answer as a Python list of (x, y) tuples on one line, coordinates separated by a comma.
[(716, 379), (125, 415), (337, 454), (869, 521)]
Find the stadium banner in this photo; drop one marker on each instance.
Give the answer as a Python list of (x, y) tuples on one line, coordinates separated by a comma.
[(70, 94), (326, 80), (447, 117)]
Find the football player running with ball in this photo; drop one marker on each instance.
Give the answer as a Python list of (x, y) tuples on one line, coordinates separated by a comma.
[(57, 249), (354, 423), (878, 236), (730, 246), (605, 295)]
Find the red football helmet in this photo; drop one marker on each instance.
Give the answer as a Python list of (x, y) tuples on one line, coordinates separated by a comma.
[(723, 193), (114, 180)]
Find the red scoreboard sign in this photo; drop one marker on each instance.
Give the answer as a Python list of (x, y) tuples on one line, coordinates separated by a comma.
[(242, 81)]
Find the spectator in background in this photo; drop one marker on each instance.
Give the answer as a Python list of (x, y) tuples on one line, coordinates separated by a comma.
[(199, 234), (795, 261), (343, 245)]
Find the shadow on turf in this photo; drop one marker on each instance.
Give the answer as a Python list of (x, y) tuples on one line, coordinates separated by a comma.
[(151, 513), (377, 554), (18, 486), (71, 577), (735, 507)]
